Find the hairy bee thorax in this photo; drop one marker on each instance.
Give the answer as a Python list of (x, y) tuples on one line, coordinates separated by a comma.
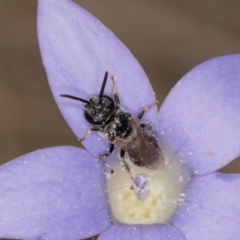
[(119, 126)]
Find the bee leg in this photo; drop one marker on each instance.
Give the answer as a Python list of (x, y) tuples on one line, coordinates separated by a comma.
[(141, 114), (110, 151), (115, 96), (125, 164), (146, 126), (89, 131)]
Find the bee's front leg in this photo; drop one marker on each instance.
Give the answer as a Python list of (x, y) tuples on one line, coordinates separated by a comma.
[(115, 95), (89, 131)]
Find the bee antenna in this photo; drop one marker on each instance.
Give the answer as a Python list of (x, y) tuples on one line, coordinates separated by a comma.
[(74, 98), (103, 85)]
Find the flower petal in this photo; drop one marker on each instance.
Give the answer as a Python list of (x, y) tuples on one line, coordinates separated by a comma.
[(77, 49), (142, 232), (54, 193), (212, 208), (200, 119)]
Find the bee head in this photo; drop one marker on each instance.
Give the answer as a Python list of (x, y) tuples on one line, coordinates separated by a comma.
[(99, 109)]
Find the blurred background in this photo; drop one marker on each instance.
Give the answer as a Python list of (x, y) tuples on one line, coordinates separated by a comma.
[(168, 37)]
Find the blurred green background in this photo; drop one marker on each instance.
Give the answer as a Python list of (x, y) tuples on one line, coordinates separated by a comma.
[(168, 37)]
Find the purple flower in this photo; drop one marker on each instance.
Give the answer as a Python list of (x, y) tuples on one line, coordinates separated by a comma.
[(59, 193)]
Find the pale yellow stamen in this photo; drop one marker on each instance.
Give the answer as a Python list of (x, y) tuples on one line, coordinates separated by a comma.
[(166, 193)]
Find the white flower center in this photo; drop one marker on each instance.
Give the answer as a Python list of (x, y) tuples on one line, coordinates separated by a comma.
[(155, 204)]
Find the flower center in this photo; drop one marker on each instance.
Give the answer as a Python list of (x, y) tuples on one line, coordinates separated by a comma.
[(152, 197)]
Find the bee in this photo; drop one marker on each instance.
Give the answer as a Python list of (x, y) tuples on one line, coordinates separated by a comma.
[(106, 116)]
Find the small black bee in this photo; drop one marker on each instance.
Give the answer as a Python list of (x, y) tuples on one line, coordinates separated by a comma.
[(121, 129)]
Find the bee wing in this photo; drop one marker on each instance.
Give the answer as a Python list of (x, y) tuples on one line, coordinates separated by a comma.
[(151, 154), (142, 147)]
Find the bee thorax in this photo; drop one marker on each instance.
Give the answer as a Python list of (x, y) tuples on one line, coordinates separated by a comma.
[(119, 127)]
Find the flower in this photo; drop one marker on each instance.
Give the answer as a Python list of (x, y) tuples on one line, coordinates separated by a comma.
[(59, 193)]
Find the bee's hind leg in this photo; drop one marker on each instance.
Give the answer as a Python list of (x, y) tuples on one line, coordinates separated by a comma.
[(105, 155), (146, 126)]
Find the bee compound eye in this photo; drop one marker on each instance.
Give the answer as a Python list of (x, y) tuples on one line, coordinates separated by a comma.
[(95, 117), (89, 118)]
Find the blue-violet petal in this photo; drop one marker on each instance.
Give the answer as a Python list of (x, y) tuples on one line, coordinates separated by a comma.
[(200, 119), (211, 209), (76, 50), (54, 193), (142, 232)]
